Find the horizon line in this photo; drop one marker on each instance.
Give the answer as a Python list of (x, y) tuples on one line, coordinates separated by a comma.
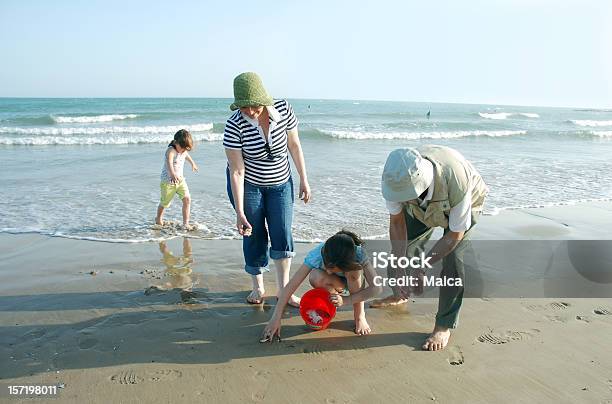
[(315, 99)]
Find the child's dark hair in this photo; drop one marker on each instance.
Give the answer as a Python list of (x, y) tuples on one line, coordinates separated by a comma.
[(182, 138), (339, 251)]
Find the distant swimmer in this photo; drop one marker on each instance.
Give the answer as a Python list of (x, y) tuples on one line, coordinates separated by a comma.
[(308, 106), (428, 114)]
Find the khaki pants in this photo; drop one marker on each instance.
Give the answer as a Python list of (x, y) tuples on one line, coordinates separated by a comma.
[(453, 266)]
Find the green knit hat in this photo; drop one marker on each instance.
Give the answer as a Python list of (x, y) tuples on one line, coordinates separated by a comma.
[(249, 91)]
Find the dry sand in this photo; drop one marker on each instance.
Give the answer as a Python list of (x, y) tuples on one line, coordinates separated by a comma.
[(75, 313)]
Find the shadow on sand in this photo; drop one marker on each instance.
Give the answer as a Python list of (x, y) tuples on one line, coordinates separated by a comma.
[(131, 328)]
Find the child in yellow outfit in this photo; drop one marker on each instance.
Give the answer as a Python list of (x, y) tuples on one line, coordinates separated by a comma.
[(172, 179)]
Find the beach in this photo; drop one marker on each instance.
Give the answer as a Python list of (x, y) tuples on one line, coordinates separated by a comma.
[(438, 175), (140, 322)]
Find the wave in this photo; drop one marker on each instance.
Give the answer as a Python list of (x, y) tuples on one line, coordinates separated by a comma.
[(202, 127), (92, 119), (342, 134), (105, 140), (600, 133), (496, 211), (143, 239), (593, 110), (588, 122), (142, 234), (147, 238), (30, 120), (506, 115)]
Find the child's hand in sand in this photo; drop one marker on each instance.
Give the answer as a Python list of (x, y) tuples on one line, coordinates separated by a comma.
[(271, 332)]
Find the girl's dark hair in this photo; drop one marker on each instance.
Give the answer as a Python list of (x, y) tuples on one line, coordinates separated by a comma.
[(182, 138), (339, 251)]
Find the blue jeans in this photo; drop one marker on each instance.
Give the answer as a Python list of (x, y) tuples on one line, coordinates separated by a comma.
[(271, 205)]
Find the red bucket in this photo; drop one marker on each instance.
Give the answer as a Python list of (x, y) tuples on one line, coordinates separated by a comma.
[(316, 309)]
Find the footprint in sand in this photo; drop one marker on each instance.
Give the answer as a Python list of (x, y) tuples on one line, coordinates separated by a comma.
[(165, 375), (261, 375), (456, 356), (314, 350), (262, 379), (554, 306), (509, 336), (583, 319), (492, 338), (131, 377), (258, 397), (126, 377), (603, 311), (521, 335), (557, 319)]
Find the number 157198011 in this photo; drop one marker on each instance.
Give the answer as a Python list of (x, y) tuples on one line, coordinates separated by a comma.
[(32, 390)]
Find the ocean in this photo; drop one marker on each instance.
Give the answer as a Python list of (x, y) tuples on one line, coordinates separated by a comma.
[(89, 168)]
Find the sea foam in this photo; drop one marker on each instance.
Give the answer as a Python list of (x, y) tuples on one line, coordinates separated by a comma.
[(601, 133), (92, 119), (588, 122), (494, 211), (102, 140), (506, 115), (102, 130), (344, 134)]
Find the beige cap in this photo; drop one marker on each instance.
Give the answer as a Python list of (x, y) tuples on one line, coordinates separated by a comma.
[(406, 175)]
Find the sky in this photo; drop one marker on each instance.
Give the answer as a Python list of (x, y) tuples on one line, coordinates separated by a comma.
[(521, 52)]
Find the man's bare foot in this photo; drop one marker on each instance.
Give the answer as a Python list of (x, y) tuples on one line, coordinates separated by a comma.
[(256, 296), (438, 339), (388, 301), (362, 327)]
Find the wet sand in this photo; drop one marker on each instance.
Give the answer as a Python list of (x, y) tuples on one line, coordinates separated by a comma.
[(75, 313)]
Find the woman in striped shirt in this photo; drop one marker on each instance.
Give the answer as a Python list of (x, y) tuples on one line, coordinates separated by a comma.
[(258, 139)]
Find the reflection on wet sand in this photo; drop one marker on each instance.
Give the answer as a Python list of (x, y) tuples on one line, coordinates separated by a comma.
[(178, 274)]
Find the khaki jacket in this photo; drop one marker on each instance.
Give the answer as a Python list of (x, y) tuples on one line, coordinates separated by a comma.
[(454, 176)]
